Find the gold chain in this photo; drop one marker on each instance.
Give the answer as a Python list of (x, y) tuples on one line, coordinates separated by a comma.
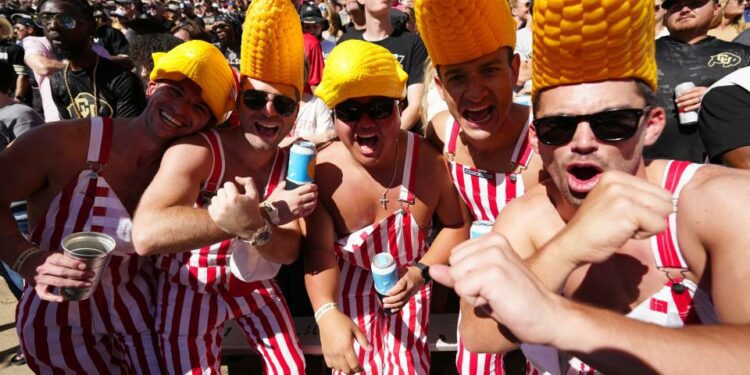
[(383, 199), (70, 94)]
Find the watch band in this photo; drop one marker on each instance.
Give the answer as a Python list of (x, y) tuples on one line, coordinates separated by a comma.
[(424, 270), (271, 211)]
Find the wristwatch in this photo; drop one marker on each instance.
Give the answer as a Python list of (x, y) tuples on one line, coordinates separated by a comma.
[(424, 270), (261, 236), (272, 212)]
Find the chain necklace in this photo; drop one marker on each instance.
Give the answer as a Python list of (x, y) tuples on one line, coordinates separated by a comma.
[(383, 200), (70, 94)]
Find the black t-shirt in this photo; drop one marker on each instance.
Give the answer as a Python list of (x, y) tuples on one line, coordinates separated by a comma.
[(723, 122), (112, 40), (408, 49), (120, 92), (12, 54), (703, 64), (743, 38)]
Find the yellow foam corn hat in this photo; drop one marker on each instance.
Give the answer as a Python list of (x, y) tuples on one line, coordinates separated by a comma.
[(357, 68), (457, 31), (592, 40), (204, 64), (272, 47)]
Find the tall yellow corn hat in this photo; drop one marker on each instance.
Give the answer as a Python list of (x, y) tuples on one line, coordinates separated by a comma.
[(205, 65), (272, 48), (357, 68), (592, 40), (457, 31)]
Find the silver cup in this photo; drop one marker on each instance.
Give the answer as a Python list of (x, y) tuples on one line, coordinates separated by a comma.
[(93, 249)]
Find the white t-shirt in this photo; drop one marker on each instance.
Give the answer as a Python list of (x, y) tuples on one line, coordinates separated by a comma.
[(313, 118), (523, 43)]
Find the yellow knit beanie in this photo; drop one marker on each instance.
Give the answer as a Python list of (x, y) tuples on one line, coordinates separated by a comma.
[(457, 31), (356, 69), (592, 40), (204, 64), (272, 47)]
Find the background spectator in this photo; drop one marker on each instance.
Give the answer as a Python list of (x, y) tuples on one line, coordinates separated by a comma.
[(731, 20), (688, 54)]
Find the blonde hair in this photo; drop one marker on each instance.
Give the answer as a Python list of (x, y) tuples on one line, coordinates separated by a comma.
[(738, 23)]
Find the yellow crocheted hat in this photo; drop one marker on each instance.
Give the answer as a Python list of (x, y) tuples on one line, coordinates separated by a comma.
[(357, 68), (272, 47), (204, 64), (457, 31), (592, 40)]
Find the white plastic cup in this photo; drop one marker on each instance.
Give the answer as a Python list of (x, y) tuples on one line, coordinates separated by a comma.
[(93, 249)]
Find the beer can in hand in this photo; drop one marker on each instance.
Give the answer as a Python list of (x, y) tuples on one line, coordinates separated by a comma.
[(301, 168), (479, 228), (384, 275), (93, 249), (686, 118)]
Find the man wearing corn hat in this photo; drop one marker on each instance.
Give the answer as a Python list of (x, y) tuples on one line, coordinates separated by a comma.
[(484, 134), (655, 240), (87, 176), (380, 187), (220, 215)]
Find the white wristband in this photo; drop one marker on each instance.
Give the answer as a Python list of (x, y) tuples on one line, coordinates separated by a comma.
[(324, 309)]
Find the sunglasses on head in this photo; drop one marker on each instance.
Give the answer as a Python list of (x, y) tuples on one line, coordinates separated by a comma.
[(256, 99), (352, 110), (608, 126)]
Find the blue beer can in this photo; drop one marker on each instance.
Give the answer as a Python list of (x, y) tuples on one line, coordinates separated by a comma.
[(301, 168), (479, 228), (384, 272)]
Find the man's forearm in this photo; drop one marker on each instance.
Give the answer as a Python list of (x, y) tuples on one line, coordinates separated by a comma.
[(613, 344), (411, 116), (42, 65), (22, 85), (174, 230), (284, 245), (550, 266), (482, 334)]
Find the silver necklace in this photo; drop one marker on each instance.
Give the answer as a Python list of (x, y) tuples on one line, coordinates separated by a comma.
[(383, 199)]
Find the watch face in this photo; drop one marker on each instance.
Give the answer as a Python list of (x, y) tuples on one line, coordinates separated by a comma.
[(262, 237)]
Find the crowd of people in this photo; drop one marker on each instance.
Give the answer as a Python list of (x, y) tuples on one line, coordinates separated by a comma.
[(604, 142)]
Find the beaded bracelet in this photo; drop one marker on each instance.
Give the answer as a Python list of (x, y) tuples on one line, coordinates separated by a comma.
[(324, 309), (25, 255)]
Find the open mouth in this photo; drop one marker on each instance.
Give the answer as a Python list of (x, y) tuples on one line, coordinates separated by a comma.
[(583, 177), (266, 130), (173, 122), (478, 115), (367, 142)]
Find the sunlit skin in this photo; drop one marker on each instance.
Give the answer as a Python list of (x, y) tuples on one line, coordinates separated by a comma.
[(576, 167), (175, 109), (265, 129), (380, 148), (691, 18), (481, 91)]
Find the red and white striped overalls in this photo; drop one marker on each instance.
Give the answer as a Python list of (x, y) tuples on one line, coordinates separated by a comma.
[(197, 294), (112, 331), (666, 307), (485, 193), (399, 341)]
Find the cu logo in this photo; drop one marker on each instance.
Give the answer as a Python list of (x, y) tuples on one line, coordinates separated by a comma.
[(725, 60)]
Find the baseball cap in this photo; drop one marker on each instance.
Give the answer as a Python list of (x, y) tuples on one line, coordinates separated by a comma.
[(23, 19), (202, 63), (310, 13), (356, 68)]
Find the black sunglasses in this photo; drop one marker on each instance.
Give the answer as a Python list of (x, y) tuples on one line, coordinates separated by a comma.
[(608, 126), (256, 99), (377, 109)]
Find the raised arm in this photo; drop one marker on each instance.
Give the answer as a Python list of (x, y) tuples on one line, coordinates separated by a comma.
[(166, 221)]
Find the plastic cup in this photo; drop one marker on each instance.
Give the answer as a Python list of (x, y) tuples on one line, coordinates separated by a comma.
[(93, 249)]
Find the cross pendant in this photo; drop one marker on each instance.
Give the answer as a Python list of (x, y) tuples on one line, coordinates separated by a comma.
[(384, 202)]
